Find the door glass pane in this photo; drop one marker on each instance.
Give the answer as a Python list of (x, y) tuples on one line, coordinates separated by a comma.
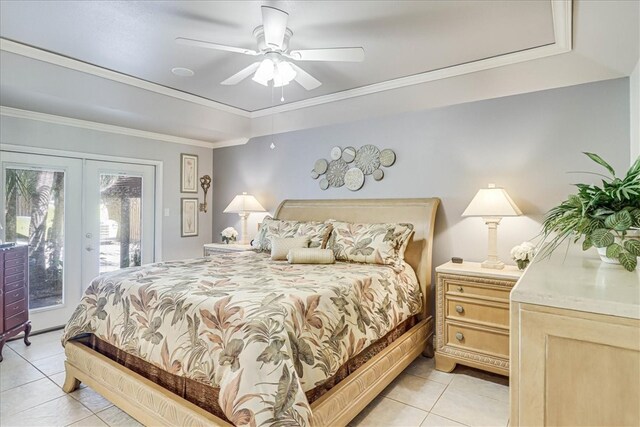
[(120, 221), (35, 216)]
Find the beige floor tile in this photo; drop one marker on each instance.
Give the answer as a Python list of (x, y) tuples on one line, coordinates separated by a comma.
[(38, 349), (465, 383), (15, 371), (434, 420), (92, 421), (58, 412), (414, 391), (115, 417), (472, 409), (385, 412), (425, 367), (50, 365), (91, 399), (28, 395)]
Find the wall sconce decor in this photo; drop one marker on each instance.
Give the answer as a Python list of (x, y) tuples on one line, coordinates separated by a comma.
[(205, 183)]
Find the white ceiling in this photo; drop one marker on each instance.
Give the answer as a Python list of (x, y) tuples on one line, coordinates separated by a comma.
[(400, 38), (136, 39)]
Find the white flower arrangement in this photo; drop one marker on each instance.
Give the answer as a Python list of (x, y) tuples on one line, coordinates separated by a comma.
[(229, 234), (523, 253)]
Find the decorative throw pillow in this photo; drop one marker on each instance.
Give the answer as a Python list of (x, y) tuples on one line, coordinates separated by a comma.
[(370, 243), (318, 232), (280, 247), (311, 256), (274, 228)]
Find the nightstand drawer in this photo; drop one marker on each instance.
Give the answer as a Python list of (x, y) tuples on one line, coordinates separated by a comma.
[(495, 343), (490, 313), (459, 287)]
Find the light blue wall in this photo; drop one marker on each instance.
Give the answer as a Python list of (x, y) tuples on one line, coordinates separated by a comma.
[(525, 143)]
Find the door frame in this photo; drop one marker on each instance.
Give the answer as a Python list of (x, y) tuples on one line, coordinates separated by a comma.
[(159, 208)]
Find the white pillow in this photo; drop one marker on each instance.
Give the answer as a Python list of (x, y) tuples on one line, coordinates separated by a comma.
[(280, 247)]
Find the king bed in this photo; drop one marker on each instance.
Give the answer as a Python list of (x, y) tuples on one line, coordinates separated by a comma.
[(241, 339)]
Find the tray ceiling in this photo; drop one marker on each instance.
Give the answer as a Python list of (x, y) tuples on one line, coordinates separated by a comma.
[(400, 39)]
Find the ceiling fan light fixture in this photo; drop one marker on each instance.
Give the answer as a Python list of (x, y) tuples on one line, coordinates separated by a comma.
[(286, 71), (264, 73)]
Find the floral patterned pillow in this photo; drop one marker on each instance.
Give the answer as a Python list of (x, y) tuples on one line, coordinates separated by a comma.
[(370, 243), (318, 232)]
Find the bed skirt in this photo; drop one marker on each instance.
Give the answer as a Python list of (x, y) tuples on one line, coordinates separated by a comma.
[(206, 396)]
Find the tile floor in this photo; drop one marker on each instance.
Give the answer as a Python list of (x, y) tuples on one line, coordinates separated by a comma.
[(31, 395)]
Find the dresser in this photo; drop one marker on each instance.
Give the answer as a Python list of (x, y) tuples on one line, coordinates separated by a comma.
[(14, 294), (575, 343), (472, 316), (218, 248)]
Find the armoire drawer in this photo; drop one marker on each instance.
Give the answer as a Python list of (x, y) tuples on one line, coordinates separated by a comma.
[(14, 295)]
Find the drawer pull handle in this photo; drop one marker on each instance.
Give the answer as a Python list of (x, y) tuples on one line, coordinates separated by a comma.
[(459, 336), (460, 289), (459, 309)]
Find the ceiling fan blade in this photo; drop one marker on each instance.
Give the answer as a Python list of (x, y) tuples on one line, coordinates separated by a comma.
[(305, 79), (274, 22), (343, 54), (241, 75), (216, 46)]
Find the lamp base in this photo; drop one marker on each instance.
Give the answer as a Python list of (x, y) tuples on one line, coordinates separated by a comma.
[(496, 265)]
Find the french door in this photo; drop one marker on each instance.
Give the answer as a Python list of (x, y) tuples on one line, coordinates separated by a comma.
[(80, 218), (121, 197)]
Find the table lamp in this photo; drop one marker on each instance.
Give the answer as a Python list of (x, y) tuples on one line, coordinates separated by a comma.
[(492, 204), (243, 204)]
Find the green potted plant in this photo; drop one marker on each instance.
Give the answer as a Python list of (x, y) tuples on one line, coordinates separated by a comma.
[(607, 216)]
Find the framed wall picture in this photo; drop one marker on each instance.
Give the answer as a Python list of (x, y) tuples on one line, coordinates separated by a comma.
[(189, 217), (188, 173)]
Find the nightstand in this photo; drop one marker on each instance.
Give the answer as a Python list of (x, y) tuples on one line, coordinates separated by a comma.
[(221, 248), (472, 316)]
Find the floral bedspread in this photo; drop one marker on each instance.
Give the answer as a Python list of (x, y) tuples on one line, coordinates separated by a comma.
[(263, 331)]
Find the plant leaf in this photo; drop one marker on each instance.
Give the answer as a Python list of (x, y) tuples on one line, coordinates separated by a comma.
[(627, 260), (632, 246), (601, 238), (599, 160), (613, 250), (587, 243), (619, 221)]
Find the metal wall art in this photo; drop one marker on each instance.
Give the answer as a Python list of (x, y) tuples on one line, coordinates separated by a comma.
[(349, 166)]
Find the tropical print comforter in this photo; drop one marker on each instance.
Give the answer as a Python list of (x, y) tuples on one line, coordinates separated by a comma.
[(262, 331)]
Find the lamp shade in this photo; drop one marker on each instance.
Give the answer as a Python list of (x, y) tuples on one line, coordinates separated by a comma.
[(492, 202), (244, 203)]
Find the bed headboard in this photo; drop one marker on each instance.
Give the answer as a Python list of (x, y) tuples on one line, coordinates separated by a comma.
[(419, 212)]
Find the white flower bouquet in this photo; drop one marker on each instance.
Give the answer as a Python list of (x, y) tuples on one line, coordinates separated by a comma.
[(523, 254), (229, 235)]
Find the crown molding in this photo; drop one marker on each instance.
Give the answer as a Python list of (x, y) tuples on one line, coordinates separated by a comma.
[(562, 25), (83, 67), (85, 124)]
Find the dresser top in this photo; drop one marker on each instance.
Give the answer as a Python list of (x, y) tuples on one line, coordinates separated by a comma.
[(468, 268), (580, 281)]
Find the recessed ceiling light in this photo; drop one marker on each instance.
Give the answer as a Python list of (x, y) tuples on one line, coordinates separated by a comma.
[(182, 72)]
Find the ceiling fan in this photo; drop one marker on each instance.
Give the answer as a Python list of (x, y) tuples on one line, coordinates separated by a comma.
[(273, 47)]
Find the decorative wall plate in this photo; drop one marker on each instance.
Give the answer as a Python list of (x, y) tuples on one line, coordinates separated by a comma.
[(378, 174), (387, 157), (354, 179), (320, 166), (368, 159), (336, 153), (335, 173), (349, 154), (324, 184)]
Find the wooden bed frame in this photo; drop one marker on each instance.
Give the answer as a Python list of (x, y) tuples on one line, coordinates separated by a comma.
[(153, 405)]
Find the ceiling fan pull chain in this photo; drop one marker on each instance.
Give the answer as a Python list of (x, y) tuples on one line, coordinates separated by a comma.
[(282, 94)]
